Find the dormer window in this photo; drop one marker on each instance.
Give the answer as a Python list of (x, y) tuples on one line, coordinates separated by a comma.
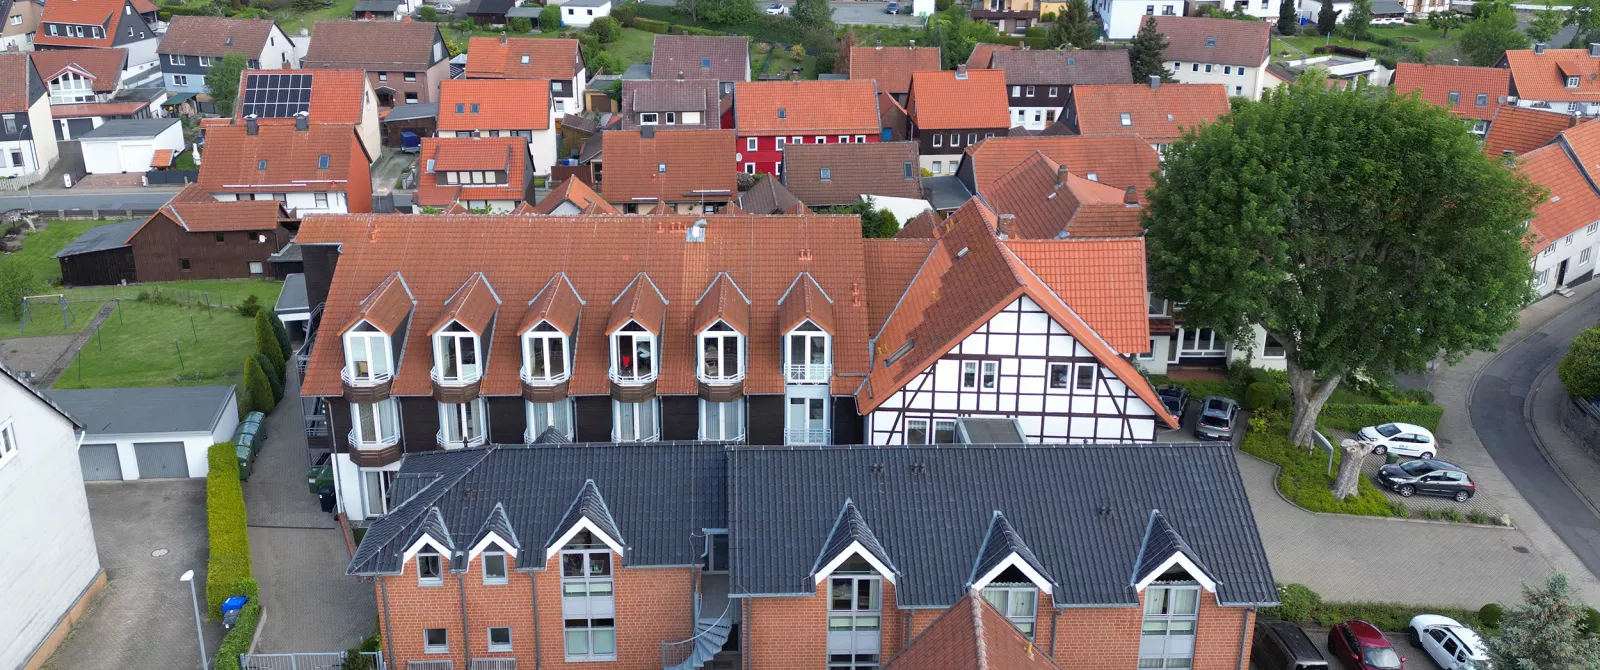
[(806, 358), (721, 354), (1572, 82), (855, 613), (456, 356), (1167, 634), (633, 354), (1017, 599), (588, 605), (430, 568), (544, 355), (368, 358)]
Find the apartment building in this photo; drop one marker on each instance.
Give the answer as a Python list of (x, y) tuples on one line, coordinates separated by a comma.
[(770, 115), (1038, 82), (405, 61), (1218, 51), (557, 61)]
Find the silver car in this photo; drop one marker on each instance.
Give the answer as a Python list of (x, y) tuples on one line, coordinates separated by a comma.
[(1219, 418)]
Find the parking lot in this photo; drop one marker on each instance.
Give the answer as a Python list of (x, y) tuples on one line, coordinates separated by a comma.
[(1415, 658)]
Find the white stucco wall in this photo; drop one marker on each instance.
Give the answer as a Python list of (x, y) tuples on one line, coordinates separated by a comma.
[(108, 156), (581, 17), (1572, 248), (302, 202), (278, 48), (49, 550), (1240, 80), (1120, 19)]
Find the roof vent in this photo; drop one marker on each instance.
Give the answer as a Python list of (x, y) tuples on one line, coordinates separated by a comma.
[(1211, 42), (783, 113), (963, 252), (1105, 510), (302, 120), (1538, 48), (1155, 81), (919, 468), (961, 72), (877, 469)]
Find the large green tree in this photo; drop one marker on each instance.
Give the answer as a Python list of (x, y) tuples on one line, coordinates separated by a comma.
[(1446, 21), (1585, 16), (1288, 18), (222, 81), (1545, 24), (1545, 632), (1491, 34), (1327, 19), (956, 35), (1364, 231), (727, 12), (1145, 53), (1358, 23), (1074, 28), (813, 13)]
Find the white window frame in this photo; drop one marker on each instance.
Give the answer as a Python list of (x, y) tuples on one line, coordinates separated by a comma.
[(378, 369), (1078, 377), (1161, 596), (1583, 256), (861, 139), (969, 375), (544, 415), (1050, 376), (178, 59), (938, 140), (463, 424), (1592, 228), (1215, 345), (540, 340), (714, 417), (749, 168), (456, 341), (916, 424), (718, 338), (639, 430), (180, 80), (488, 637), (638, 336), (1572, 82), (428, 648), (437, 558), (376, 481), (1004, 597), (750, 144), (585, 584), (8, 441), (385, 417), (653, 118), (852, 622), (807, 334), (989, 378), (505, 571)]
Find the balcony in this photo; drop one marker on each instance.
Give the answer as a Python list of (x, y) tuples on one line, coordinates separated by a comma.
[(457, 388), (720, 388), (990, 14), (632, 388), (365, 389), (471, 441), (806, 436), (810, 373), (544, 388), (373, 454)]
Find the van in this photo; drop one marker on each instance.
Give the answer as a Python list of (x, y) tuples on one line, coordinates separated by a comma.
[(1280, 645)]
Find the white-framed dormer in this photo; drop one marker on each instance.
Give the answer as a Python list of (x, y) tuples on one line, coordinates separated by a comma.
[(368, 355), (633, 354), (808, 354), (457, 355), (429, 557), (546, 355), (720, 356)]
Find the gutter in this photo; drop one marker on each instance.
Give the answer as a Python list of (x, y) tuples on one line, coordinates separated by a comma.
[(1244, 634), (466, 640), (388, 634)]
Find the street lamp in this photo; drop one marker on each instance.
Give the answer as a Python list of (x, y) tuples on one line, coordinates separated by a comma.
[(188, 576)]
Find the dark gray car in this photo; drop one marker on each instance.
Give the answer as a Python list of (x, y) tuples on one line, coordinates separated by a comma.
[(1219, 418)]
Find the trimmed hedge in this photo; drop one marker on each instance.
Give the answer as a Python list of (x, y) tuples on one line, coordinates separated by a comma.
[(229, 563), (680, 29), (1304, 607), (238, 639), (1356, 417), (651, 25)]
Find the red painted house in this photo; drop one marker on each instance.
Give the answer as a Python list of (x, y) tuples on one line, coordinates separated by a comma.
[(770, 115)]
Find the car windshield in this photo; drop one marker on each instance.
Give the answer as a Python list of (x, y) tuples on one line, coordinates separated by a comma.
[(1215, 421), (1388, 430), (1417, 468), (1381, 658)]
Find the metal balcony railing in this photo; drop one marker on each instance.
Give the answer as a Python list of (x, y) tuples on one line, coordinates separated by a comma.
[(700, 373), (381, 443), (470, 441), (626, 379), (817, 373), (350, 378), (806, 436), (548, 380)]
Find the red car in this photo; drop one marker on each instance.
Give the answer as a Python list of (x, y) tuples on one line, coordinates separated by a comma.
[(1361, 646)]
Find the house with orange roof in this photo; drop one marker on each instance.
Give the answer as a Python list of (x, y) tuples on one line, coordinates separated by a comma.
[(1473, 94), (1120, 161), (405, 61), (949, 110), (1518, 130), (322, 96), (501, 108), (558, 61), (770, 115), (21, 23), (100, 24), (27, 144), (1565, 228), (891, 67), (309, 167), (661, 171), (571, 196), (1559, 80), (1160, 113), (86, 89), (483, 174)]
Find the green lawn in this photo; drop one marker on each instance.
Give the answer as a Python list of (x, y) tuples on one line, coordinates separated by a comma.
[(39, 249), (632, 45), (1425, 37), (45, 319), (207, 291), (782, 61), (292, 21), (142, 347)]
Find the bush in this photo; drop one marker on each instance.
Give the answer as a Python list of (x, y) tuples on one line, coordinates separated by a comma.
[(624, 14), (550, 18), (229, 562), (798, 52), (605, 29), (281, 333), (246, 309), (1356, 417), (252, 13), (1590, 623), (267, 343), (1580, 366), (277, 386), (1303, 606), (1303, 476), (520, 25), (941, 5), (1491, 614), (256, 392), (1299, 601), (428, 13), (825, 62), (1047, 17), (651, 25), (1260, 395), (695, 30), (762, 48), (237, 641)]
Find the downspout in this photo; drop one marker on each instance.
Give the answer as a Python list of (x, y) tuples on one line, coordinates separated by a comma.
[(388, 636), (745, 650), (1055, 625), (466, 639), (1244, 634), (538, 655)]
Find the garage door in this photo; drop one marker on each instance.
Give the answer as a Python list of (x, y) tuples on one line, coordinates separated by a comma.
[(77, 127), (161, 459), (100, 462), (136, 157)]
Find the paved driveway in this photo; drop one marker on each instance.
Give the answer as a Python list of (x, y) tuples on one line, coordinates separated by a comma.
[(145, 618)]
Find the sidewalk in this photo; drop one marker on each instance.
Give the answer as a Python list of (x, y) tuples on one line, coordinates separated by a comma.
[(1578, 464)]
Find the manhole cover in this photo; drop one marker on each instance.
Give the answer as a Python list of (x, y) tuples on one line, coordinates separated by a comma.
[(163, 552), (1519, 549)]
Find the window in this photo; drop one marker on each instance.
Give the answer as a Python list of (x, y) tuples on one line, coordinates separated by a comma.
[(1053, 90), (807, 355), (691, 118), (500, 638), (1550, 250), (8, 442), (205, 61), (721, 353), (1194, 67), (1201, 342), (383, 76), (494, 570), (430, 568), (587, 589), (910, 172), (1019, 603), (780, 142), (175, 59), (1592, 228), (844, 139), (1482, 100), (938, 167), (261, 165), (749, 168), (52, 28), (633, 354), (1272, 348), (1028, 92), (797, 140), (411, 76), (807, 420), (1455, 97), (750, 144), (1544, 276), (256, 268), (1238, 90), (320, 198), (411, 98), (944, 431), (546, 415), (474, 108), (1572, 82), (825, 174), (1084, 378), (1227, 69), (183, 265), (16, 20), (860, 139), (463, 424), (972, 138), (221, 237), (1127, 119), (938, 140), (1149, 10), (1059, 374), (455, 355), (1167, 636), (716, 551), (672, 118), (435, 641), (969, 374), (955, 139), (1566, 241), (916, 431), (722, 421), (652, 118), (634, 422), (1583, 256), (1016, 91), (990, 372), (855, 603), (70, 88)]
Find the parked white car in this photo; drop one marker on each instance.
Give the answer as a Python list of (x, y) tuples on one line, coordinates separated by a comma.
[(1401, 438), (1452, 645), (777, 9)]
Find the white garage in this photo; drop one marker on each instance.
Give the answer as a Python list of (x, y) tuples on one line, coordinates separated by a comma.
[(129, 145), (149, 433)]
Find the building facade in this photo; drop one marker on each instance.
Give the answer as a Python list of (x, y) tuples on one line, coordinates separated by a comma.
[(951, 110), (27, 144), (95, 24), (193, 44), (1218, 51), (404, 61), (1038, 82), (770, 115)]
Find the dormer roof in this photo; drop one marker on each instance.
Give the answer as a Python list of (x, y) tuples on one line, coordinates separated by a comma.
[(387, 307), (557, 304), (497, 528), (642, 303), (805, 301), (851, 536), (1003, 548), (588, 512), (1164, 549), (473, 306), (722, 301)]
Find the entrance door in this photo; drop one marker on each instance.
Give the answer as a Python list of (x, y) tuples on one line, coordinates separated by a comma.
[(1561, 274), (100, 462), (161, 460)]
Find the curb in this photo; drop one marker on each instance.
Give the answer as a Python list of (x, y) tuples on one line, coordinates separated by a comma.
[(1278, 469), (1538, 442)]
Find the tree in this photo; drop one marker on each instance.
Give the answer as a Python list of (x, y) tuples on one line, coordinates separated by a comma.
[(282, 334), (428, 13), (1358, 23), (1545, 24), (520, 25), (550, 18), (222, 81), (874, 222), (1585, 16), (1580, 367), (727, 12), (810, 13), (1348, 482), (267, 343), (1074, 28), (1489, 36), (956, 35), (1146, 53), (16, 281), (605, 29), (1545, 633), (1327, 18), (1288, 19), (1259, 219), (277, 384), (256, 392), (1446, 21)]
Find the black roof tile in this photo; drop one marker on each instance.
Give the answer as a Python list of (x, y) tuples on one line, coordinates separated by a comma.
[(999, 544), (848, 529)]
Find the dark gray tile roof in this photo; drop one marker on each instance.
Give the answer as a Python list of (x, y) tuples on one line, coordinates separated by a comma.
[(849, 529), (588, 505), (1083, 509), (144, 411), (101, 238), (1063, 68), (1000, 543), (292, 298), (115, 129), (26, 386), (499, 524), (660, 496), (1161, 541), (945, 193), (551, 436)]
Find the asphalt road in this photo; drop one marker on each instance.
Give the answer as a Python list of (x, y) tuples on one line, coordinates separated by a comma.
[(1496, 409), (146, 201), (846, 12)]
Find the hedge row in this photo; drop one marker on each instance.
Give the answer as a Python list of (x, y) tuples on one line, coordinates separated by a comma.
[(762, 28), (1305, 607), (1356, 417), (238, 639), (229, 564), (651, 25)]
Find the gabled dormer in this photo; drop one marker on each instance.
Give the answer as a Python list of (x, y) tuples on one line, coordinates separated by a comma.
[(430, 551), (590, 547), (373, 339), (805, 320), (1166, 558), (1168, 577), (548, 334), (495, 547), (721, 326), (633, 332), (852, 568), (1009, 576), (460, 340)]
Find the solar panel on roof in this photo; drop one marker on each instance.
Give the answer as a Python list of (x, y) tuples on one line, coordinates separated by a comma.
[(276, 96)]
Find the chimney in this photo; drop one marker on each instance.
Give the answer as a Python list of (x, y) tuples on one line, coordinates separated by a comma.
[(1130, 197), (880, 45), (1538, 48), (961, 72), (406, 19), (1002, 228), (250, 127), (680, 75), (302, 121), (1594, 49), (1155, 81), (647, 132), (1061, 175)]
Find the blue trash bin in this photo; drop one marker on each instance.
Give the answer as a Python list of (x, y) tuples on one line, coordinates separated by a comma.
[(230, 610)]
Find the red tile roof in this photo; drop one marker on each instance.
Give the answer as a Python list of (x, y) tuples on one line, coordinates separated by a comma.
[(805, 301), (104, 66), (892, 66), (373, 45), (575, 191), (1156, 114), (82, 12), (1544, 77), (1437, 83), (1045, 201), (473, 306), (337, 96), (195, 211), (1519, 130), (557, 304), (388, 305), (1103, 280), (161, 158), (723, 302), (805, 107), (215, 36), (500, 104), (726, 58), (1208, 40), (279, 158), (1117, 160), (462, 154), (971, 635), (502, 58), (948, 100), (671, 166), (18, 85), (982, 53)]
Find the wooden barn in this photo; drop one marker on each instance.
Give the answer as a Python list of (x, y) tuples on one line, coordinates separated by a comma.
[(100, 256)]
